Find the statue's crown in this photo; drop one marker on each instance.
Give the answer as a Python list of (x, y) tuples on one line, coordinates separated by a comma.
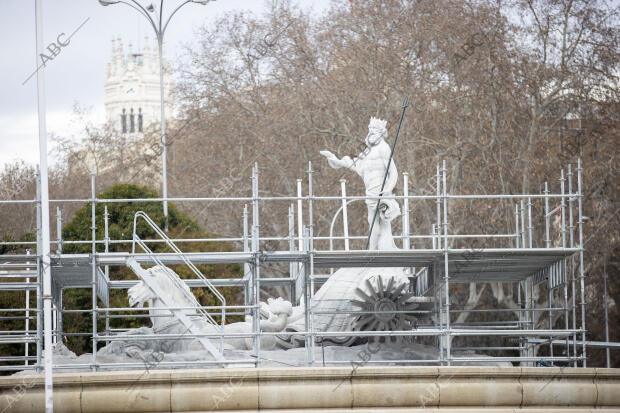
[(377, 123)]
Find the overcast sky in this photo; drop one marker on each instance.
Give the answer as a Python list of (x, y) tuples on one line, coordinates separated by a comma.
[(76, 75)]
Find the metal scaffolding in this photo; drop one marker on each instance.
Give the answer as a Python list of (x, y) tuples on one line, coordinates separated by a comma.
[(507, 334)]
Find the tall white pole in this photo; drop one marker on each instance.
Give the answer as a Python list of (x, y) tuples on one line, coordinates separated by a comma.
[(345, 216), (406, 241), (45, 217), (28, 312), (300, 217), (163, 127)]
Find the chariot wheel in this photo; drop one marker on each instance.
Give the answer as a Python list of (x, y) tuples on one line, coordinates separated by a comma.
[(386, 307)]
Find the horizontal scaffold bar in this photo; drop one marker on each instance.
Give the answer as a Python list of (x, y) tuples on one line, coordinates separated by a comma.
[(396, 258)]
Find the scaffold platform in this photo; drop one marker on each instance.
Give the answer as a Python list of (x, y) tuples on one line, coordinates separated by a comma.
[(532, 261)]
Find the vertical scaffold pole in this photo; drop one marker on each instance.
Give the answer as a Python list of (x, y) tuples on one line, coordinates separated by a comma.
[(529, 221), (562, 268), (523, 240), (520, 306), (562, 209), (39, 278), (345, 215), (106, 246), (59, 327), (532, 317), (439, 289), (307, 315), (256, 268), (517, 242), (93, 229), (438, 207), (547, 239), (522, 207), (406, 242), (581, 269), (58, 231), (54, 324), (311, 259), (549, 284), (446, 265), (292, 267), (571, 228), (58, 313), (27, 326), (247, 282), (300, 221), (300, 216), (528, 321)]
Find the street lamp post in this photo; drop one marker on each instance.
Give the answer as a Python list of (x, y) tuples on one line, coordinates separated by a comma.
[(160, 28), (44, 235)]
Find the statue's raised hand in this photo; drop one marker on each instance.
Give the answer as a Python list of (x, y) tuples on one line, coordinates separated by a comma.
[(333, 161)]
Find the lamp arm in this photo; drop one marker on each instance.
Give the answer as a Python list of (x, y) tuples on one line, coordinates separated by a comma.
[(142, 11), (170, 17)]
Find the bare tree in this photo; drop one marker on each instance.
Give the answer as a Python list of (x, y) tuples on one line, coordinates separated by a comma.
[(492, 86)]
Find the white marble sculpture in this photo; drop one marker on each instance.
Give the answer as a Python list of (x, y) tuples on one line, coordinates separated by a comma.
[(349, 290), (366, 298), (274, 315), (371, 165)]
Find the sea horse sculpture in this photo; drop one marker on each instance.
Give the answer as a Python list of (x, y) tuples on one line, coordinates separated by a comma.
[(274, 316)]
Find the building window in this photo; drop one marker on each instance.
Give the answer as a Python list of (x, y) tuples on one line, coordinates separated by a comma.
[(139, 119), (124, 121), (132, 122)]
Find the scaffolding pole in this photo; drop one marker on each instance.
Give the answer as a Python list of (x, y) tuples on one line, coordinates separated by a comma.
[(93, 229), (310, 303), (571, 227), (256, 268), (563, 263), (581, 265), (446, 263)]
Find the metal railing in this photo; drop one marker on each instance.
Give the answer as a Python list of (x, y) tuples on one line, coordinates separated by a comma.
[(560, 275)]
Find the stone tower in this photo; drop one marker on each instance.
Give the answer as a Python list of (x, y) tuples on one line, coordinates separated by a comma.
[(131, 91)]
